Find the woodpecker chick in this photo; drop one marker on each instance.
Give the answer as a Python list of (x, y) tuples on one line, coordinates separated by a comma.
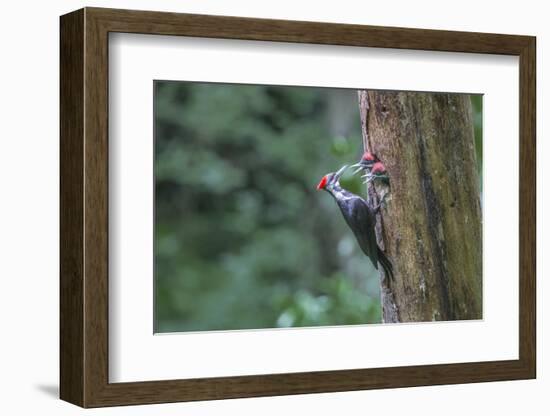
[(360, 216), (373, 167), (367, 161), (378, 171)]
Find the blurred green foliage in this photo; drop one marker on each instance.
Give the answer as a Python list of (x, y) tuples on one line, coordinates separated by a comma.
[(242, 237)]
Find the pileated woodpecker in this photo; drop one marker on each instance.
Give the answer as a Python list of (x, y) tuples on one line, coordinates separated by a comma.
[(360, 217), (373, 167)]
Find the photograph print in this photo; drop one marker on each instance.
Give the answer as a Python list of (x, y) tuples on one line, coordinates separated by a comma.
[(290, 206)]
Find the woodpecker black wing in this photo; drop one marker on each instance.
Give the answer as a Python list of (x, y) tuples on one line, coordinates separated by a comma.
[(361, 219)]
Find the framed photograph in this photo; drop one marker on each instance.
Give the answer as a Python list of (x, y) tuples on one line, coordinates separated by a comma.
[(255, 207)]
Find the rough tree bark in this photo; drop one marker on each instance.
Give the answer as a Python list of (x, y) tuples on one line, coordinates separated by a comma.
[(431, 224)]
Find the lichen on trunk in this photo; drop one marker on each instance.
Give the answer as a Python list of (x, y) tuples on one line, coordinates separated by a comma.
[(431, 224)]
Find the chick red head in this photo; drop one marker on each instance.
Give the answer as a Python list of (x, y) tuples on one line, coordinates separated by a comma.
[(378, 168), (368, 157)]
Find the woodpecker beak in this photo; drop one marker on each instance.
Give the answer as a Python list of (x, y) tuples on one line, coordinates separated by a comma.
[(340, 172), (359, 167), (363, 165)]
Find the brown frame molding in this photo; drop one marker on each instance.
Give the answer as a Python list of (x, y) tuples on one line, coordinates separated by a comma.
[(84, 207)]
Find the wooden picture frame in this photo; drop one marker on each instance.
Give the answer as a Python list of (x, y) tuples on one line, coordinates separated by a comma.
[(84, 207)]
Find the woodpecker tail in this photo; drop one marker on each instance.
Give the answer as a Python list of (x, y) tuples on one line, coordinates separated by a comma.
[(386, 264)]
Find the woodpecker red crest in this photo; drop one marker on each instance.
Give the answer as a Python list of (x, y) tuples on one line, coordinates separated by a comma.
[(331, 179), (323, 183)]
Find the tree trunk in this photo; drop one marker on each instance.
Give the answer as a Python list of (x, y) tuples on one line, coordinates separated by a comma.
[(430, 226)]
